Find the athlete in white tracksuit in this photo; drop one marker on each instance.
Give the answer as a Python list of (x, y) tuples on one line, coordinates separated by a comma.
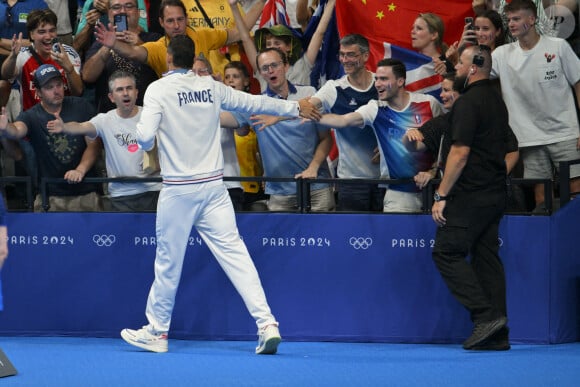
[(182, 110)]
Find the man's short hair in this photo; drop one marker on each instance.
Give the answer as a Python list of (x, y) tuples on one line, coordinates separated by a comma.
[(182, 48), (480, 56), (356, 39), (171, 3), (240, 66), (38, 17), (118, 74), (281, 53), (205, 61), (399, 68), (522, 5)]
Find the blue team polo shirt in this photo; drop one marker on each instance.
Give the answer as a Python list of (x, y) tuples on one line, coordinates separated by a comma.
[(19, 13)]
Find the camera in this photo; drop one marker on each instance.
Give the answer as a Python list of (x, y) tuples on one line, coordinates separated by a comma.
[(55, 45), (120, 21)]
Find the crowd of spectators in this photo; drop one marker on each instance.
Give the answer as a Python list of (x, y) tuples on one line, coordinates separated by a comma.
[(86, 42)]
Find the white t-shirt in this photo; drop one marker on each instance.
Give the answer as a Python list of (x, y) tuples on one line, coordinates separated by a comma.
[(123, 156), (535, 85)]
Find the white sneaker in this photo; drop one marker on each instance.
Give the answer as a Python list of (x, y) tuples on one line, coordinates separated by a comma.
[(143, 338), (268, 340)]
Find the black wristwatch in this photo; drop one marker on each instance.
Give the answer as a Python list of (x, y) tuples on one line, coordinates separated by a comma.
[(438, 197)]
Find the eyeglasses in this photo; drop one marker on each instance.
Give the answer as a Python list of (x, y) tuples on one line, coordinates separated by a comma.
[(204, 71), (126, 7), (273, 66), (348, 55)]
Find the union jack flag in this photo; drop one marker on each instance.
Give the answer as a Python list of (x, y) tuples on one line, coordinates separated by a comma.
[(421, 76), (274, 13)]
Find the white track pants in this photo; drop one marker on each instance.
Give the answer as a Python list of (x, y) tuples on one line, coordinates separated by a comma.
[(208, 207)]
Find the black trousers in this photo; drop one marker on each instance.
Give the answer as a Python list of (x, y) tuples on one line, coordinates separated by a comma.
[(472, 229)]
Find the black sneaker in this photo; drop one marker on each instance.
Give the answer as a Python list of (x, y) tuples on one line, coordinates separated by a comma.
[(484, 330), (497, 342)]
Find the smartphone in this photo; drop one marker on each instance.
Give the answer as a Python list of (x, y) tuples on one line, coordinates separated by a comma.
[(120, 21), (55, 45), (470, 27), (469, 22)]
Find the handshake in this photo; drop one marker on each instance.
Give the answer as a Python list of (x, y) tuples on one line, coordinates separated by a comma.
[(308, 110)]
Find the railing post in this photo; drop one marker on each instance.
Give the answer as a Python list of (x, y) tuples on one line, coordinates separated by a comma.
[(306, 199), (564, 183), (44, 194)]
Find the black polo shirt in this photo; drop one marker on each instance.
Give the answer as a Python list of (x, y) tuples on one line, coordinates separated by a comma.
[(479, 120)]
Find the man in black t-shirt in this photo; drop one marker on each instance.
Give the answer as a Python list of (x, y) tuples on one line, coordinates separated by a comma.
[(471, 200), (59, 155)]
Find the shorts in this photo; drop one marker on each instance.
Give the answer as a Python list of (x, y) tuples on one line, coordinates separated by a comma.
[(90, 202), (399, 201), (540, 161), (321, 200)]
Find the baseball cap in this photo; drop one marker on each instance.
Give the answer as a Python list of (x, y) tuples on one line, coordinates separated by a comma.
[(45, 73), (279, 30)]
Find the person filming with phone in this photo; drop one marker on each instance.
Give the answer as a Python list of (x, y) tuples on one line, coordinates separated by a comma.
[(23, 61), (102, 62), (22, 64)]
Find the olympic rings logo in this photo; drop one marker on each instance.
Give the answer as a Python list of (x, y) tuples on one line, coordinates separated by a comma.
[(360, 243), (104, 240)]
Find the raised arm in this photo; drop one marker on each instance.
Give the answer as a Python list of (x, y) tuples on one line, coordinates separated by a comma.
[(6, 45), (254, 14), (83, 37), (63, 58), (107, 37), (244, 34), (302, 14), (316, 41), (9, 66), (234, 34)]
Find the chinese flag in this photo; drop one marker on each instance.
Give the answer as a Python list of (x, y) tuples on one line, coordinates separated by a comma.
[(391, 21)]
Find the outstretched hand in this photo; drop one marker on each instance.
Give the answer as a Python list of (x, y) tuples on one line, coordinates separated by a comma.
[(262, 121), (105, 35), (56, 125)]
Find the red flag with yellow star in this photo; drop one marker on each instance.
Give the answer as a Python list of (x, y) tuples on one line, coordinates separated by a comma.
[(391, 21)]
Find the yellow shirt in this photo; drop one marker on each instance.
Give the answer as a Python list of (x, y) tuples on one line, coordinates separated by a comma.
[(250, 165), (205, 40), (220, 14)]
